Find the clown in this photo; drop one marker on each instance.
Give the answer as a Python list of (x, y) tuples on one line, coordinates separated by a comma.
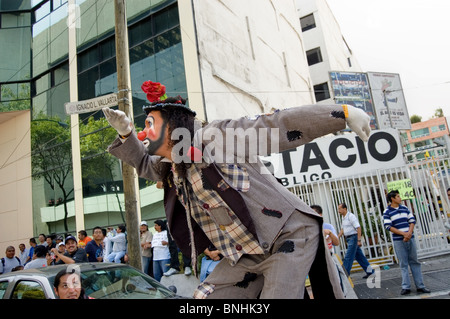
[(270, 239)]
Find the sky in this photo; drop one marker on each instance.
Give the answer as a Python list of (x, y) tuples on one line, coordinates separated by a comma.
[(408, 37)]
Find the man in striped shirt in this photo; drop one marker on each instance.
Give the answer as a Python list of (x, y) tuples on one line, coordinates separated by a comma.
[(400, 221)]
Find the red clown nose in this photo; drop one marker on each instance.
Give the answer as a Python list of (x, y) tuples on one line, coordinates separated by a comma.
[(141, 136), (195, 154)]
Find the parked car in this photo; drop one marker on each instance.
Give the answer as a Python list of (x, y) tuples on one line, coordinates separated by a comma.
[(99, 280)]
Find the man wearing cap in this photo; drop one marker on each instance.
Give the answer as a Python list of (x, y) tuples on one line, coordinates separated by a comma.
[(270, 239), (146, 245), (72, 255)]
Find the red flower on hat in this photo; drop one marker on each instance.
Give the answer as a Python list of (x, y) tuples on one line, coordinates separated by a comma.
[(155, 91)]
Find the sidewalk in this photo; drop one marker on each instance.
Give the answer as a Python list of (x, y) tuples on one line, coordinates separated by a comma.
[(435, 270), (436, 276)]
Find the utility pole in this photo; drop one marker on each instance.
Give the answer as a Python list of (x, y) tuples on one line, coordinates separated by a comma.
[(130, 187)]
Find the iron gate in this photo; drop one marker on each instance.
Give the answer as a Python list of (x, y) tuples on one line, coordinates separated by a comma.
[(365, 196)]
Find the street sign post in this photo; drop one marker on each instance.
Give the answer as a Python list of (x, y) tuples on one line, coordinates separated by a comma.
[(92, 105)]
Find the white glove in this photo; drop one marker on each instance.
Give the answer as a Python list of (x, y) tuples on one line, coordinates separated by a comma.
[(359, 122), (118, 120)]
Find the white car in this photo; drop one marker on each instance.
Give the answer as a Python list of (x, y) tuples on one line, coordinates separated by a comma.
[(99, 281)]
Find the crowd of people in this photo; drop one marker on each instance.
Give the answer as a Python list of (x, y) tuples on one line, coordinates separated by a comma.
[(104, 245), (160, 255)]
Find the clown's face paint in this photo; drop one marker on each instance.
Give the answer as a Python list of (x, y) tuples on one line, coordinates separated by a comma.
[(156, 132)]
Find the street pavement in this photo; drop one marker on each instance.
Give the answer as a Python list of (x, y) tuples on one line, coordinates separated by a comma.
[(435, 270), (436, 276)]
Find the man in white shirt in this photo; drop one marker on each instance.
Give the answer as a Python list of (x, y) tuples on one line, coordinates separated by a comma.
[(23, 254), (9, 262), (39, 260), (351, 230), (119, 245)]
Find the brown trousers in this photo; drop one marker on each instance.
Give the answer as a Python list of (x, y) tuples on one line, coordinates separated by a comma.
[(298, 251)]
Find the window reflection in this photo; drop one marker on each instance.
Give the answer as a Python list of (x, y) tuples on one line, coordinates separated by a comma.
[(155, 53)]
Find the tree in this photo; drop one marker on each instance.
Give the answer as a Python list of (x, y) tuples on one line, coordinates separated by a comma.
[(97, 163), (438, 113), (51, 157), (15, 102), (415, 119)]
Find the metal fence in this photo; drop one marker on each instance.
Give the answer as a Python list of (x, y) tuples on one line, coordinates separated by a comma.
[(365, 196)]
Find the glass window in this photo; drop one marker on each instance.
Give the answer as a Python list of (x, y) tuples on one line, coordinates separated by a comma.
[(15, 97), (321, 91), (435, 129), (140, 32), (3, 287), (156, 56), (28, 290), (122, 283), (14, 5), (58, 3), (96, 19), (308, 22), (420, 133), (87, 82), (88, 59), (60, 75), (42, 11), (107, 49), (41, 40), (15, 20), (108, 68), (42, 83), (314, 56), (58, 35), (142, 51), (15, 52)]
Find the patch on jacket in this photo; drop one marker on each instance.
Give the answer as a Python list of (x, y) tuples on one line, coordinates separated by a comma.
[(206, 184), (287, 247), (272, 213), (236, 176), (338, 114), (249, 277), (294, 135)]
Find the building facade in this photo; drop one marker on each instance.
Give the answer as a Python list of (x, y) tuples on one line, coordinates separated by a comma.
[(228, 58), (325, 47), (426, 140)]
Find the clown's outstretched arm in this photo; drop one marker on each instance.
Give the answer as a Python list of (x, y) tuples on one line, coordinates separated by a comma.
[(131, 151), (296, 126)]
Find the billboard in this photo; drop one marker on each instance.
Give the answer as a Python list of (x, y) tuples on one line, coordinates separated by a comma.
[(353, 88), (388, 101), (336, 157)]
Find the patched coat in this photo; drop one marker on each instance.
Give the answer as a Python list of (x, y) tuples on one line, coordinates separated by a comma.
[(263, 205)]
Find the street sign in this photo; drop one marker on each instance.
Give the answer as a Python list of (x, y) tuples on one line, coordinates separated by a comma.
[(91, 105)]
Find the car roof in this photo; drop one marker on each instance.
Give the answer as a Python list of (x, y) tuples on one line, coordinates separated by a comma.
[(51, 271)]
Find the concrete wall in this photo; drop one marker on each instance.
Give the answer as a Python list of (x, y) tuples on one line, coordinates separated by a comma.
[(326, 35), (16, 222), (250, 56)]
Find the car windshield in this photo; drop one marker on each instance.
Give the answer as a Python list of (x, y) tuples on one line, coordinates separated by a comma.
[(121, 283)]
